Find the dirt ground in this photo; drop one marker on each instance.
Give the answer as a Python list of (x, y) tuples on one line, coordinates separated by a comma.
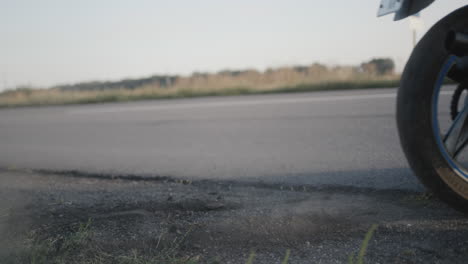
[(71, 217)]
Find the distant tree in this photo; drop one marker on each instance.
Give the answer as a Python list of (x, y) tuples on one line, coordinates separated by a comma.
[(379, 66)]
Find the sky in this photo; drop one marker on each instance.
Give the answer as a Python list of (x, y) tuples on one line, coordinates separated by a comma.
[(50, 42)]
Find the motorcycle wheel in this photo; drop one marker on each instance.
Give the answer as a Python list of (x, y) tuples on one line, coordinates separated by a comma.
[(421, 134)]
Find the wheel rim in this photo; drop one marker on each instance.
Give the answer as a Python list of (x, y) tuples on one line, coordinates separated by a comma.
[(455, 166)]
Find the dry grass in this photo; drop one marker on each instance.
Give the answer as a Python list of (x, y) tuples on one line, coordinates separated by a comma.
[(54, 96), (280, 80)]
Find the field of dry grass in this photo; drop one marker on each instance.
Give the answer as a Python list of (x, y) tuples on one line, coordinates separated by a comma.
[(58, 97), (315, 77)]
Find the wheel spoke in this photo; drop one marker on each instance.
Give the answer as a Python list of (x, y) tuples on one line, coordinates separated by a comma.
[(460, 148), (457, 134)]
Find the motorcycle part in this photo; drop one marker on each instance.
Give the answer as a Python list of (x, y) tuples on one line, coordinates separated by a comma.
[(459, 71), (456, 100), (457, 43), (431, 152), (402, 8)]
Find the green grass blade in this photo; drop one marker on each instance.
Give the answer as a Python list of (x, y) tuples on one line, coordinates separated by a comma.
[(251, 258), (365, 243), (286, 258), (351, 259)]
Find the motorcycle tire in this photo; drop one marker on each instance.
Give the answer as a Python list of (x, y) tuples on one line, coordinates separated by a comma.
[(415, 113)]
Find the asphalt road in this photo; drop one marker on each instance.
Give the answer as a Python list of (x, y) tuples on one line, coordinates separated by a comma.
[(325, 138)]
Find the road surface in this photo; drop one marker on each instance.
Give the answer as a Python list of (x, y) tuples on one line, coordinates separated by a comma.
[(345, 138), (343, 142)]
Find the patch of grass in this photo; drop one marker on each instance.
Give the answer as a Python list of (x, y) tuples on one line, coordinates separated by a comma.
[(286, 257), (52, 250), (359, 259), (39, 253), (419, 199), (251, 258), (58, 249), (344, 85), (79, 247), (409, 252), (44, 97)]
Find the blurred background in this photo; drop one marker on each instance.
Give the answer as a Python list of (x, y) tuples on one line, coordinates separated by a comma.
[(93, 51)]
